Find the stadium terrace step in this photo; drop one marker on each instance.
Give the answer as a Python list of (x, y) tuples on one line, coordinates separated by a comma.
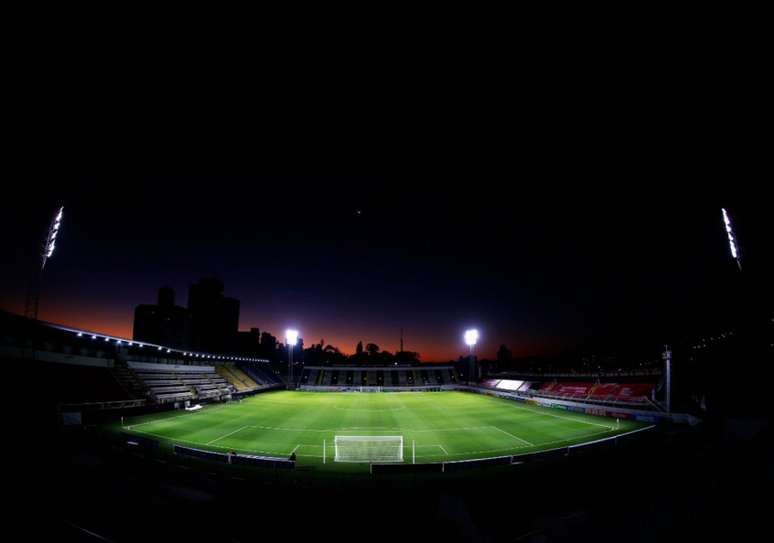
[(169, 382)]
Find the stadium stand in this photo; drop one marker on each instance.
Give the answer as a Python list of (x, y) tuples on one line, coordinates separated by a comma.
[(611, 392), (172, 383), (382, 376), (262, 374), (621, 393), (236, 377)]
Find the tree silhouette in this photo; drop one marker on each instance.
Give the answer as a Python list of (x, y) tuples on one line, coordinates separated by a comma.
[(359, 348), (373, 349)]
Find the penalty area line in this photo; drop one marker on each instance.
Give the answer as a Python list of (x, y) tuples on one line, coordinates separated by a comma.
[(226, 435), (513, 436)]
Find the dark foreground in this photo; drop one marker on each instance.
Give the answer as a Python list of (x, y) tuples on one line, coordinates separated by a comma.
[(76, 486)]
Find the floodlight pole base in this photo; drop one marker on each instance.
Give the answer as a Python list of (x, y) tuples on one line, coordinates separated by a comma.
[(290, 367)]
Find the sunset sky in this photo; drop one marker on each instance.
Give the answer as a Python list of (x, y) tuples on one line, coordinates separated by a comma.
[(356, 258)]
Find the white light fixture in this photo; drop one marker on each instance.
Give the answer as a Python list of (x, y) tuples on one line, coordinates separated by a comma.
[(731, 238), (50, 244), (291, 336), (471, 337)]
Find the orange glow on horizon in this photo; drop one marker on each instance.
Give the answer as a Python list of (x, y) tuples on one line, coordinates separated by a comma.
[(102, 319)]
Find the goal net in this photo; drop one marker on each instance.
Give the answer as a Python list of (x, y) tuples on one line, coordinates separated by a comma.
[(370, 389), (368, 448)]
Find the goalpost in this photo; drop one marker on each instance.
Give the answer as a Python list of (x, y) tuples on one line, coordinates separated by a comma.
[(368, 448)]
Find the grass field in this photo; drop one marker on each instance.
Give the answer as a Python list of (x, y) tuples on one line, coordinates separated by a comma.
[(444, 426)]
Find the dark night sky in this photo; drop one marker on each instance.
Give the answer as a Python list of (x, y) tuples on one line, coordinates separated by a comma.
[(539, 265), (566, 195)]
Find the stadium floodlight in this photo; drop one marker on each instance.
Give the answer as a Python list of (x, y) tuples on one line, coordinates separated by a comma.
[(32, 302), (731, 239), (291, 336), (53, 231)]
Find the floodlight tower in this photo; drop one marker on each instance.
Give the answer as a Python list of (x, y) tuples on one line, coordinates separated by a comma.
[(667, 356), (471, 338), (291, 338), (33, 288), (732, 239)]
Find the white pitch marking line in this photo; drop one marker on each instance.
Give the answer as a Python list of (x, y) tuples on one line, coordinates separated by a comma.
[(558, 416), (294, 448), (514, 437), (228, 434), (444, 450)]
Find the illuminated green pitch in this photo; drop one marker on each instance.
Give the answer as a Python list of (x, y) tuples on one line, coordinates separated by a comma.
[(435, 426)]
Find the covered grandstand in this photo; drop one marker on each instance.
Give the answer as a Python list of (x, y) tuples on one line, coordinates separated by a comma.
[(80, 370), (383, 377)]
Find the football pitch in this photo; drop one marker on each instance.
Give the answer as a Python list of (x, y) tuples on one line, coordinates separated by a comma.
[(435, 426)]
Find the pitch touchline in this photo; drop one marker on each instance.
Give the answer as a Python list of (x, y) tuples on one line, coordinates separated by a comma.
[(209, 409), (173, 440), (559, 416)]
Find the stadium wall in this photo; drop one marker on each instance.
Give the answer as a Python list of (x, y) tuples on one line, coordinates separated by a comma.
[(236, 458), (517, 459), (421, 388)]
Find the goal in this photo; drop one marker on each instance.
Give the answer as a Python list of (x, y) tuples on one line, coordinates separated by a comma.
[(368, 448)]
